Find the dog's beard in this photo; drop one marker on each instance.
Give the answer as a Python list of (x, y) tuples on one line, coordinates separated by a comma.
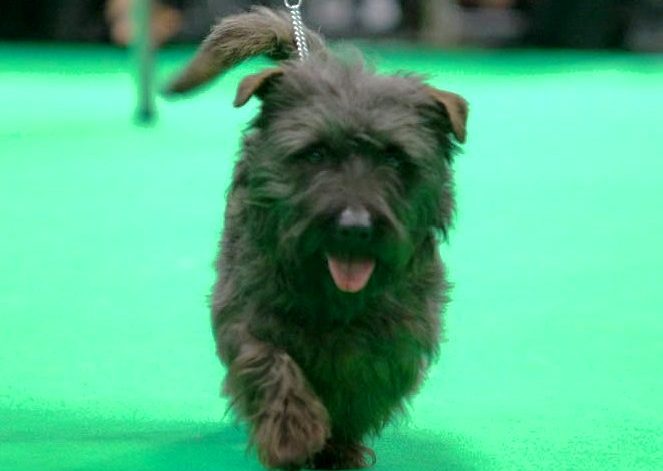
[(314, 264), (333, 281)]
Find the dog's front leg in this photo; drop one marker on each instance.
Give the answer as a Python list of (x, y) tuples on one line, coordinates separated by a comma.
[(289, 424)]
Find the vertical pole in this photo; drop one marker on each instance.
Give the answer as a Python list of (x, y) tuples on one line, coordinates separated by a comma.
[(144, 57)]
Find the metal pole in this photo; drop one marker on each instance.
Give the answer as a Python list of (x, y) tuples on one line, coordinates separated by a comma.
[(144, 56)]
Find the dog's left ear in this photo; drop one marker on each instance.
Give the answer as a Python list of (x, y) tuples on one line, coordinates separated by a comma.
[(255, 84), (456, 108)]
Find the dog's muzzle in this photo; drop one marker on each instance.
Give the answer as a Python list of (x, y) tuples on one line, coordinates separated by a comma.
[(353, 232), (354, 226)]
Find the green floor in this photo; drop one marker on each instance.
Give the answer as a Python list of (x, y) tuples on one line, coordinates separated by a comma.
[(108, 231)]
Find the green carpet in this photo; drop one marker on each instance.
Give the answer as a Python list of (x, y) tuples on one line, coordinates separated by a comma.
[(109, 230)]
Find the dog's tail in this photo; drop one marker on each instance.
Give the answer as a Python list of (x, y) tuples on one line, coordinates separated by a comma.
[(238, 37)]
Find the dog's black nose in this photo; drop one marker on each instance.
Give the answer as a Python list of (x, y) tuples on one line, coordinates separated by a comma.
[(354, 225)]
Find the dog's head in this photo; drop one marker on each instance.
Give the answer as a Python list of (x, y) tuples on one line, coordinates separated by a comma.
[(350, 169), (345, 173)]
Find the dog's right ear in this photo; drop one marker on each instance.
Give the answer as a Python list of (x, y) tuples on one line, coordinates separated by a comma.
[(255, 84), (456, 109)]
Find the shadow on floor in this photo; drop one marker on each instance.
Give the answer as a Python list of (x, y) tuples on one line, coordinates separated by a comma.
[(52, 441), (224, 450), (401, 449)]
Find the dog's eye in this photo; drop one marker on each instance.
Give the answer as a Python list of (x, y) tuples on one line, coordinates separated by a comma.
[(311, 155), (393, 161), (393, 158), (314, 156)]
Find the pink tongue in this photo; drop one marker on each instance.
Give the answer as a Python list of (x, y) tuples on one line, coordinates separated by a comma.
[(350, 276)]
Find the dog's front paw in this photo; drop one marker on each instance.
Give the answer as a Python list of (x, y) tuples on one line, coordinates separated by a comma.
[(343, 456), (290, 432)]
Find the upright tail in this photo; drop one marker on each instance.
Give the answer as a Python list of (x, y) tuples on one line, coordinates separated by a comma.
[(238, 37)]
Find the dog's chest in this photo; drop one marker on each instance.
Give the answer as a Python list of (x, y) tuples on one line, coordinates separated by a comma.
[(357, 372)]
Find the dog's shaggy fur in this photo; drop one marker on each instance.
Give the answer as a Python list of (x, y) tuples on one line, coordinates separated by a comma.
[(330, 287)]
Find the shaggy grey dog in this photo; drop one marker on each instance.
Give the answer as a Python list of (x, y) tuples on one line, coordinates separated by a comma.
[(330, 288)]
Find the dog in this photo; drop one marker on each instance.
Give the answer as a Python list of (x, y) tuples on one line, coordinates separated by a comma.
[(327, 306)]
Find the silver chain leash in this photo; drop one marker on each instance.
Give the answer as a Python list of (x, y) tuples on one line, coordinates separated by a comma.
[(298, 27)]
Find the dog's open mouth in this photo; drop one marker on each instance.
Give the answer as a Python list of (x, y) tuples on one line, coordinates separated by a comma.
[(350, 275)]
